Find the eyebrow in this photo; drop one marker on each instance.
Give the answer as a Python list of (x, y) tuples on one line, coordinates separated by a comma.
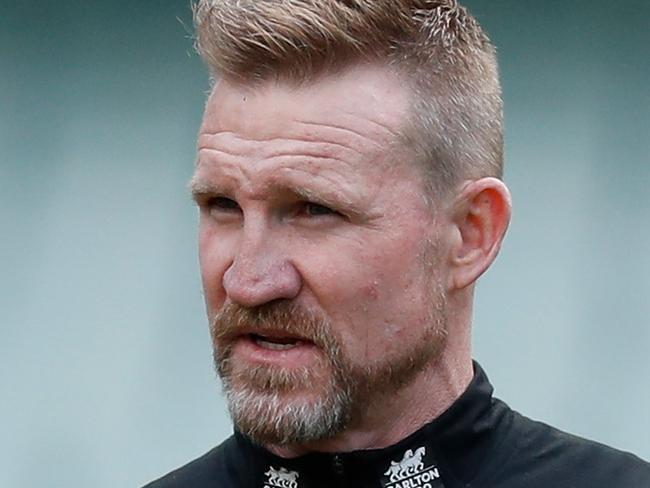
[(202, 189)]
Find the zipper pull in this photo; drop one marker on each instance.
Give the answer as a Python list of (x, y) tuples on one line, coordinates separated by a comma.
[(337, 466)]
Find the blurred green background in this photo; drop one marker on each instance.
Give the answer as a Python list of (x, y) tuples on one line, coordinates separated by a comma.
[(105, 365)]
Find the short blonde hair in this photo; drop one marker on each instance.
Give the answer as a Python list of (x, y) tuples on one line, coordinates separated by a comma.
[(448, 60)]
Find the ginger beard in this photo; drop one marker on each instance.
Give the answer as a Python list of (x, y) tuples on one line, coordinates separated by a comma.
[(283, 406)]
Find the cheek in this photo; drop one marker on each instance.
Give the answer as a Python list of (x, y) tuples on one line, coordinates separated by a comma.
[(213, 262), (370, 292), (374, 293), (392, 274)]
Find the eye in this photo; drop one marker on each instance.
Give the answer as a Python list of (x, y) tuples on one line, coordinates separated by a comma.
[(220, 208), (317, 210), (223, 204)]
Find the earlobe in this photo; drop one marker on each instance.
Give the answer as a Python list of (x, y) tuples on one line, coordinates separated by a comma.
[(481, 216)]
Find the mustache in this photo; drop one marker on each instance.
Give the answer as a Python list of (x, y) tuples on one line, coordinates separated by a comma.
[(279, 317)]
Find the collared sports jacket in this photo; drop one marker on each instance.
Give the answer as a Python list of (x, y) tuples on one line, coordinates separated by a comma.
[(479, 442)]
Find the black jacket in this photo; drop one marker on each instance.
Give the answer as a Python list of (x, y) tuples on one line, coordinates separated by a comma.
[(478, 442)]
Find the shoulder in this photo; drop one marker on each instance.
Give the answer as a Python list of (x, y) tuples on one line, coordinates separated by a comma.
[(542, 454), (209, 470)]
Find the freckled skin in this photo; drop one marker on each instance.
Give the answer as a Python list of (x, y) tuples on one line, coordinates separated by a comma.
[(270, 149)]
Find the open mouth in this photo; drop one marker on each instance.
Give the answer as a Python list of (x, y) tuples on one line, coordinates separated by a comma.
[(276, 343)]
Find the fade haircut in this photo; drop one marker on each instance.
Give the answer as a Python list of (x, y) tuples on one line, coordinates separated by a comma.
[(437, 47)]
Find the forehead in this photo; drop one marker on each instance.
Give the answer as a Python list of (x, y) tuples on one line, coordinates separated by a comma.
[(337, 138), (368, 103)]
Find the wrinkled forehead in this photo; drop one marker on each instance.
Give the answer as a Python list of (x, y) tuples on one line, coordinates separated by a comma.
[(367, 99)]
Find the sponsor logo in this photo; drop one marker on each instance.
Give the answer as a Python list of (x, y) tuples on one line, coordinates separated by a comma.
[(281, 478), (411, 472)]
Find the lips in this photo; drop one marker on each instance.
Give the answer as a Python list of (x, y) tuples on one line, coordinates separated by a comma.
[(276, 348), (276, 343), (279, 335)]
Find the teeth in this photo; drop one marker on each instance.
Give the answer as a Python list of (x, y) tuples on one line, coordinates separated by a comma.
[(275, 346)]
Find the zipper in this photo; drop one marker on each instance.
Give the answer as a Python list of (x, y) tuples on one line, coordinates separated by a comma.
[(338, 469)]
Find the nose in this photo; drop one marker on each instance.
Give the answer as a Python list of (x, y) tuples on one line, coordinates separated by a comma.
[(260, 273)]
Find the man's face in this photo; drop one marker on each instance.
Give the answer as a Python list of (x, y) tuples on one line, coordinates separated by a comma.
[(319, 254)]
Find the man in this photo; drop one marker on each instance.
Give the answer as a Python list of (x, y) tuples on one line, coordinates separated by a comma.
[(348, 182)]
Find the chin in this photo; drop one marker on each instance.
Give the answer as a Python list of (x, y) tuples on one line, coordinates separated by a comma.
[(285, 418)]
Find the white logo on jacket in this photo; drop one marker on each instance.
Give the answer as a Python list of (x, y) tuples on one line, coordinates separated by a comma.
[(281, 478), (411, 472)]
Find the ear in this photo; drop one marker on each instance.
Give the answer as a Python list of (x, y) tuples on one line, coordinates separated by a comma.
[(480, 214)]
